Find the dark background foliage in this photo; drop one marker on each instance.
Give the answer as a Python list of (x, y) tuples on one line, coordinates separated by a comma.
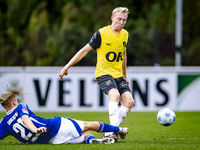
[(50, 32)]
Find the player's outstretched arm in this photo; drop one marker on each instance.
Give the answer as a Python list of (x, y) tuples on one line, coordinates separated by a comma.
[(77, 57), (27, 121)]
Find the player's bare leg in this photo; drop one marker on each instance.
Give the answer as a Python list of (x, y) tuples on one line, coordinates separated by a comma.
[(101, 127), (117, 116), (127, 104), (114, 97)]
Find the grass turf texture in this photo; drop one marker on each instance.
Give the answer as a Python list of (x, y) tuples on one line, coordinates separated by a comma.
[(144, 132)]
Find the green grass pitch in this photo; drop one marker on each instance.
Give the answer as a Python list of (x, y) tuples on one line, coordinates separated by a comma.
[(144, 133)]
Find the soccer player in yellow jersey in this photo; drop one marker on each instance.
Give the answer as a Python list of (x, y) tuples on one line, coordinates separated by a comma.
[(110, 42)]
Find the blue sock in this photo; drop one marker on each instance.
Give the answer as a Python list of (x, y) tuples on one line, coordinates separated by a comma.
[(88, 138), (107, 128)]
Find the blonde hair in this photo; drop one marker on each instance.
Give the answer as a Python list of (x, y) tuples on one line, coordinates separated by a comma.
[(120, 9), (5, 99)]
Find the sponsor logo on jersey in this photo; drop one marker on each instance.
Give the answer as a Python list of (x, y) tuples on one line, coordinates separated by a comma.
[(124, 44), (25, 111), (92, 39)]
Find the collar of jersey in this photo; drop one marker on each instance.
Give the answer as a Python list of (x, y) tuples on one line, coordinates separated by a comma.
[(9, 112), (114, 32)]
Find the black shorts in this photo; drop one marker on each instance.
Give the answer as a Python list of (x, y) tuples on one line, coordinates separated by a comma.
[(107, 82)]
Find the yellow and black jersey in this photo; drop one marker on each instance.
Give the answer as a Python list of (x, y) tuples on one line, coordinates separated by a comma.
[(110, 51)]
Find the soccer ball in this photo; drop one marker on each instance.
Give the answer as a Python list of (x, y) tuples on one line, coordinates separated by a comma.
[(166, 117)]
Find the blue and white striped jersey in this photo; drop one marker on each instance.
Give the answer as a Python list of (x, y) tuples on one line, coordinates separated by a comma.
[(12, 125)]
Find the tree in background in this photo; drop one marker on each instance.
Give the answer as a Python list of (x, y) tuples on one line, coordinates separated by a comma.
[(50, 32)]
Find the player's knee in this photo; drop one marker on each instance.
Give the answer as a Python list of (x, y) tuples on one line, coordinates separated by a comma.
[(114, 95), (127, 99), (86, 126), (131, 102)]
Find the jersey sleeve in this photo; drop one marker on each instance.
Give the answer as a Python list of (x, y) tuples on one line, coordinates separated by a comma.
[(95, 41), (23, 109)]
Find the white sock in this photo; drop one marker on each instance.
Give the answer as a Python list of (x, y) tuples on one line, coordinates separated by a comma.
[(122, 114), (113, 113)]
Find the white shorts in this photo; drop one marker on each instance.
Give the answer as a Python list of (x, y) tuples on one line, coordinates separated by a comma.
[(68, 132)]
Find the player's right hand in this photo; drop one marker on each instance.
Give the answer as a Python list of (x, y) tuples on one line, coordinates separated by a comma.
[(62, 73)]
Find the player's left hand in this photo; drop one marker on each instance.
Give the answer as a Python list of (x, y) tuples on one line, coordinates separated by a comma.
[(126, 80)]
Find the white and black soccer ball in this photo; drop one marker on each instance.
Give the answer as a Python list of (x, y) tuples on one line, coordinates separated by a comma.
[(166, 117)]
